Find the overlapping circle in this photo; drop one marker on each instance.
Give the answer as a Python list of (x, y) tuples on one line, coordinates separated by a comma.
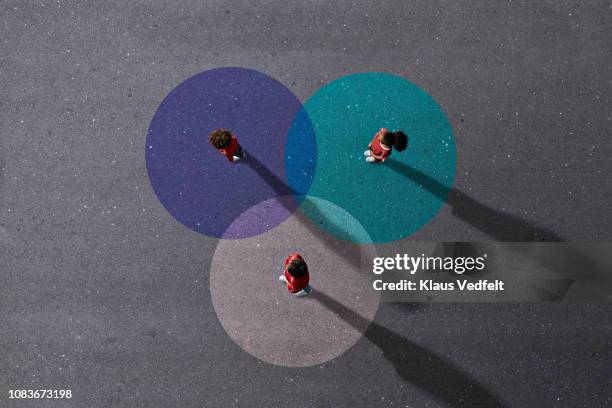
[(303, 186)]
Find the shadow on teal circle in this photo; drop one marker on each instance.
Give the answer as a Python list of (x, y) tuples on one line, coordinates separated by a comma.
[(346, 114)]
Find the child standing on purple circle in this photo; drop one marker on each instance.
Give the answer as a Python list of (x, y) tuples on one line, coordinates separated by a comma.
[(227, 144)]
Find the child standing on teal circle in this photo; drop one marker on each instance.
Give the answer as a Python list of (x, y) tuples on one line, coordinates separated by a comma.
[(380, 147)]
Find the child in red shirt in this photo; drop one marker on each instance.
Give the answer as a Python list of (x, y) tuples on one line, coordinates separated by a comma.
[(227, 144), (296, 275), (380, 147)]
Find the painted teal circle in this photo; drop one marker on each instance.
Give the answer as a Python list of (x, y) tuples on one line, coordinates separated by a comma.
[(391, 200)]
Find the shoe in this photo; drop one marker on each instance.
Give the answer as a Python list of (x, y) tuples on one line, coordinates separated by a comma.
[(370, 159), (367, 153), (282, 279), (306, 291), (237, 158)]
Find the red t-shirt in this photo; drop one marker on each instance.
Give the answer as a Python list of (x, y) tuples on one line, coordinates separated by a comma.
[(377, 148), (231, 149), (294, 285)]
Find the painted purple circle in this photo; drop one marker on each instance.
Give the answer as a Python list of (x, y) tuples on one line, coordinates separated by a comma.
[(198, 185)]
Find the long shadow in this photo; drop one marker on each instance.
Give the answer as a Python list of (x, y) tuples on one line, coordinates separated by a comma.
[(506, 227), (282, 189), (415, 364), (501, 226)]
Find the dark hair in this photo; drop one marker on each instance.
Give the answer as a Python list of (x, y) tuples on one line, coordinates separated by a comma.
[(221, 138), (297, 268), (398, 139)]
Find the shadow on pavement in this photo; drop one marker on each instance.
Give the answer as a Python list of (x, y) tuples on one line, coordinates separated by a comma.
[(567, 261), (415, 364), (498, 225)]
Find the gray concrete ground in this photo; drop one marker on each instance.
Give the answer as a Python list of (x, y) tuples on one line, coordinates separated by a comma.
[(103, 293)]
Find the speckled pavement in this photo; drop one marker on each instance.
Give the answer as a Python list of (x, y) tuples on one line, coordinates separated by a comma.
[(103, 292)]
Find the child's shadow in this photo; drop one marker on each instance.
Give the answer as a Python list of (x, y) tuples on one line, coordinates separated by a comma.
[(415, 364), (314, 214), (501, 226), (507, 228)]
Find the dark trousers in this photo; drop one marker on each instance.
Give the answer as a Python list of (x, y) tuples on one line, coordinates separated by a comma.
[(239, 152)]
